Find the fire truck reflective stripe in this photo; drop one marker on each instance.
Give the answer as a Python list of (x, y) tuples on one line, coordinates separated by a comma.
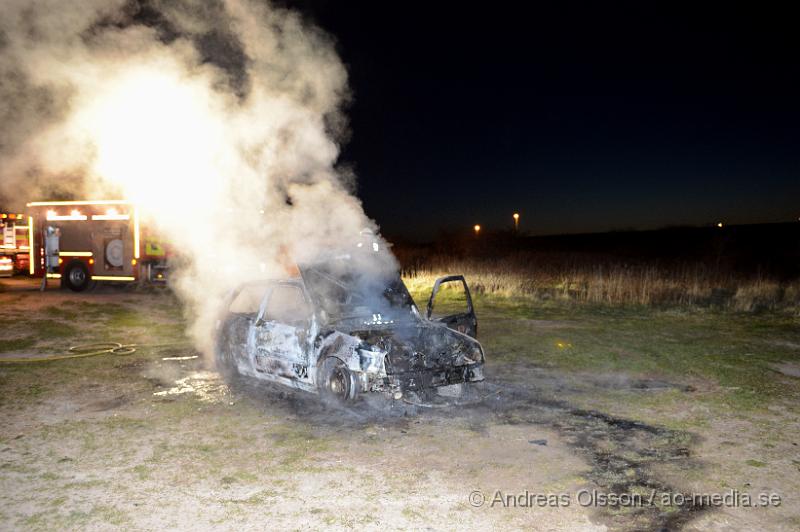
[(75, 253), (31, 262), (110, 217), (82, 202), (112, 278), (135, 233), (57, 218), (54, 275)]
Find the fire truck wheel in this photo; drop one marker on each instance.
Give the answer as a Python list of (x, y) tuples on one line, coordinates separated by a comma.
[(76, 276)]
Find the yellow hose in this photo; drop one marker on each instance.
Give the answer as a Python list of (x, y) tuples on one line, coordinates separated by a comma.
[(79, 351)]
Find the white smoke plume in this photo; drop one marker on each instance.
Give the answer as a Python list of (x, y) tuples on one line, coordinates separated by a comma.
[(221, 120)]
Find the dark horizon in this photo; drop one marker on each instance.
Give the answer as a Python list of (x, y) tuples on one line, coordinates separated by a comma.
[(581, 117), (523, 235)]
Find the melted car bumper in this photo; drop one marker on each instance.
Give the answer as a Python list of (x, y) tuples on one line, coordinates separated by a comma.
[(412, 381)]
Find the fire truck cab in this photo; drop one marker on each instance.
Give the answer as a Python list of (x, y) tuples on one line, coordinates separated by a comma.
[(80, 242)]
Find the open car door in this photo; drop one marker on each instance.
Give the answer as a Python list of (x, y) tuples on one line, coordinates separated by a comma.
[(451, 304)]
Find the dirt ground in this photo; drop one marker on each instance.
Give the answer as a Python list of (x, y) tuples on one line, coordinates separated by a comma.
[(579, 404)]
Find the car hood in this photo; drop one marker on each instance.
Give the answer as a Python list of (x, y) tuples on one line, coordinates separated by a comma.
[(421, 345)]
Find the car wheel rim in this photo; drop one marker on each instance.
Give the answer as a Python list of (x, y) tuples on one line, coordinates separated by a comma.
[(77, 276), (338, 387)]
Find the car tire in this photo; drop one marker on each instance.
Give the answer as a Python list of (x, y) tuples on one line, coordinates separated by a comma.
[(224, 361), (336, 382), (76, 276)]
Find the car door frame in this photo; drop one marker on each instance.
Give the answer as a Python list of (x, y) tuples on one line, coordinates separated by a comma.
[(231, 349), (467, 321), (297, 379)]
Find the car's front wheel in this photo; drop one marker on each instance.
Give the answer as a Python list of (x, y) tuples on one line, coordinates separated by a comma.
[(337, 382)]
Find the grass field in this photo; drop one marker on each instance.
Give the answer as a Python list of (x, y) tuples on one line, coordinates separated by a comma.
[(608, 281), (737, 351), (583, 396)]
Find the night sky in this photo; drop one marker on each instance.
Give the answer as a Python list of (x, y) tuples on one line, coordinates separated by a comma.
[(583, 117)]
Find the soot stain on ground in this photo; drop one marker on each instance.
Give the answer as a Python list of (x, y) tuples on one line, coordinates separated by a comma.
[(621, 452)]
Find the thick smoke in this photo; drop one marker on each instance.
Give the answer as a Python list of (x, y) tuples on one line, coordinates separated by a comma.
[(221, 120)]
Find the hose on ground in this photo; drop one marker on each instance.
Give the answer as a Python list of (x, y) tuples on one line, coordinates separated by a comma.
[(86, 350), (79, 351)]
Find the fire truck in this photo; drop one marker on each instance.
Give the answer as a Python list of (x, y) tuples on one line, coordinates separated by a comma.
[(82, 242), (14, 248)]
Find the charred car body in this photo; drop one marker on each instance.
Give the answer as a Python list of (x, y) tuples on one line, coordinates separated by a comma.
[(339, 332)]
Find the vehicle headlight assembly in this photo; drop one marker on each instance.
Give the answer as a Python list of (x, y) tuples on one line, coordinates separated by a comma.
[(476, 353), (371, 361)]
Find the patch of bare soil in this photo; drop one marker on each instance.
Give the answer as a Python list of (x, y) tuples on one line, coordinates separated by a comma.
[(621, 454), (618, 455), (791, 369), (176, 447)]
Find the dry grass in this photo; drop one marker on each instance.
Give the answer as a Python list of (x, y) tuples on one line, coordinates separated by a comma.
[(585, 279)]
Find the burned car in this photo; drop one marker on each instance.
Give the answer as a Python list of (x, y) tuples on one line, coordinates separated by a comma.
[(340, 333)]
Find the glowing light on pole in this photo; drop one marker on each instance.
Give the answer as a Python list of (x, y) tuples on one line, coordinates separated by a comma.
[(477, 229), (516, 221)]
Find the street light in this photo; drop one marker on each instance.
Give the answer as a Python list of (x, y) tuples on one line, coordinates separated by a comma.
[(516, 221), (477, 229)]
